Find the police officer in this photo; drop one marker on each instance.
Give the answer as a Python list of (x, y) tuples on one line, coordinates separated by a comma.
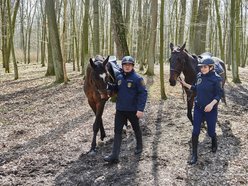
[(208, 93), (130, 104)]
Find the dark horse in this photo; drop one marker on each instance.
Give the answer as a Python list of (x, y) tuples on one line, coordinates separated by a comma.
[(95, 88), (183, 62)]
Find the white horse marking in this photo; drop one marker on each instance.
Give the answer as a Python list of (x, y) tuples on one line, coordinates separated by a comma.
[(103, 76)]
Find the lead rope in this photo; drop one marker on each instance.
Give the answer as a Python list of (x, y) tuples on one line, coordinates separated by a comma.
[(183, 94)]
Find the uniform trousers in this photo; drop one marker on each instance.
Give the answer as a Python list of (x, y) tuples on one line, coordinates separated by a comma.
[(121, 118), (210, 117)]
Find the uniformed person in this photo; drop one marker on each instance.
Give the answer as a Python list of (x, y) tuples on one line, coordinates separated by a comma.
[(208, 93), (130, 104)]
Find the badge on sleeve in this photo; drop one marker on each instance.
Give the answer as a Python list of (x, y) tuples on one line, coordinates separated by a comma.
[(142, 82), (119, 82)]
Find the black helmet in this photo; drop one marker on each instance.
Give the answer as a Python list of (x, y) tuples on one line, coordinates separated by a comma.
[(127, 60), (207, 61)]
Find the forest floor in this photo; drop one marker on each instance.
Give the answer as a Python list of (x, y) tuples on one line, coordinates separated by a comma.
[(46, 131)]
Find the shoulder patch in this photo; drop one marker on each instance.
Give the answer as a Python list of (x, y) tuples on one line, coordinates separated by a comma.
[(142, 82)]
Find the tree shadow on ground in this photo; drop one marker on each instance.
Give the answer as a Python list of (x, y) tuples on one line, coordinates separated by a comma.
[(213, 166), (54, 134), (92, 170)]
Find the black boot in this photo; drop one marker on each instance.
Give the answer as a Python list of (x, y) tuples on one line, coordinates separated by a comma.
[(139, 144), (194, 151), (114, 156), (214, 144)]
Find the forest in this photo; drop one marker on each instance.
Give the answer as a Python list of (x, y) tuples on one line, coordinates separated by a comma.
[(46, 121)]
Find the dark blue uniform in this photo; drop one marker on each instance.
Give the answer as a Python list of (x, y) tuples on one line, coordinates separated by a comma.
[(132, 93), (131, 97), (208, 88)]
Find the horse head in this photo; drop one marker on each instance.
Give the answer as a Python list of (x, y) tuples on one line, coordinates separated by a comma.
[(177, 62), (100, 75)]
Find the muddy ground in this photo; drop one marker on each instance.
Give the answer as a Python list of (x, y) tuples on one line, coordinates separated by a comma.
[(46, 131)]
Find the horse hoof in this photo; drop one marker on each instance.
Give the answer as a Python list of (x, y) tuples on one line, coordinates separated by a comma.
[(92, 152), (102, 137)]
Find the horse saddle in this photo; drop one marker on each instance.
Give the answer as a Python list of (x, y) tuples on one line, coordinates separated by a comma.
[(217, 66), (113, 68)]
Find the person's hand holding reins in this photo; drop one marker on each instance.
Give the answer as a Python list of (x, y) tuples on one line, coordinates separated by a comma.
[(183, 83)]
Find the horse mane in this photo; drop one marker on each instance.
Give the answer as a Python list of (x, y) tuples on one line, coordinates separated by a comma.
[(193, 60)]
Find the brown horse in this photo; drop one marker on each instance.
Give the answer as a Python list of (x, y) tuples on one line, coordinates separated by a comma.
[(183, 62), (95, 88)]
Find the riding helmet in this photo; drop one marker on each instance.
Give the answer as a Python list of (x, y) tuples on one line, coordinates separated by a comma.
[(207, 61), (127, 60)]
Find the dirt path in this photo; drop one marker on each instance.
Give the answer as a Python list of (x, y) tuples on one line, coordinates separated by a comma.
[(46, 131)]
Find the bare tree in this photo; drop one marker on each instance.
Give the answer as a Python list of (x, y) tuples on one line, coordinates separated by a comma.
[(233, 38), (193, 22), (161, 57), (219, 29), (84, 38), (152, 40), (55, 42), (201, 27), (119, 29), (182, 21), (96, 38)]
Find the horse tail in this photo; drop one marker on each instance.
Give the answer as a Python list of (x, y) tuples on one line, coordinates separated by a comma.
[(224, 77)]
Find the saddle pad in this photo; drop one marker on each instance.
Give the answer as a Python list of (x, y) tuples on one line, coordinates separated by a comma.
[(114, 69)]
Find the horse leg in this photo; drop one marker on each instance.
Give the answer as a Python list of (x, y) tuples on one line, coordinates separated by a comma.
[(189, 109), (100, 112), (92, 150)]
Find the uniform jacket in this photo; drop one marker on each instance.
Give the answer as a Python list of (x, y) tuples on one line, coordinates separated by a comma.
[(208, 88), (131, 92)]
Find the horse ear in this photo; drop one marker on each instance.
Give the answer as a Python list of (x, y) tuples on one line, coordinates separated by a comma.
[(182, 48), (171, 46), (106, 61), (93, 65)]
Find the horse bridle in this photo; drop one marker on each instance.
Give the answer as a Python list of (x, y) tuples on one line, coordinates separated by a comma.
[(106, 91), (177, 71)]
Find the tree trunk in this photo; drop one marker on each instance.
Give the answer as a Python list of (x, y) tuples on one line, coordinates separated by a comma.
[(54, 37), (193, 22), (24, 49), (4, 21), (161, 57), (201, 27), (85, 34), (64, 39), (238, 26), (235, 73), (152, 40), (119, 29), (50, 66), (140, 55), (219, 29), (43, 36), (182, 22), (96, 38)]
